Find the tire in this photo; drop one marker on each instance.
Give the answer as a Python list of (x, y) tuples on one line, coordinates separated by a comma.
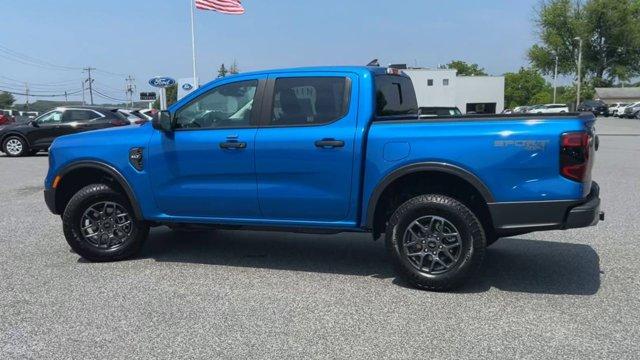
[(15, 146), (109, 237), (468, 253)]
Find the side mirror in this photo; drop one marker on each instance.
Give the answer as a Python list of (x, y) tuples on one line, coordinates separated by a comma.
[(163, 121), (33, 123)]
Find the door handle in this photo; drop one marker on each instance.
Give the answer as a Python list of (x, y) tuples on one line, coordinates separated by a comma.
[(329, 143), (233, 145)]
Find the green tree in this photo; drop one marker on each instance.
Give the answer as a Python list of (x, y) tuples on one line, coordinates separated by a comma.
[(466, 69), (233, 69), (6, 100), (610, 30), (222, 71), (567, 94), (526, 87)]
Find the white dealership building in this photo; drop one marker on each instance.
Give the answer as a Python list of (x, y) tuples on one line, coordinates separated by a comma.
[(470, 94)]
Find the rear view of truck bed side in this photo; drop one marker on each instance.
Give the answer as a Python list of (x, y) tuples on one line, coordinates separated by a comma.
[(519, 172)]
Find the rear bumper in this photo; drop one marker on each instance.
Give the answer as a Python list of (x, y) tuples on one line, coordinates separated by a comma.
[(587, 213), (523, 217)]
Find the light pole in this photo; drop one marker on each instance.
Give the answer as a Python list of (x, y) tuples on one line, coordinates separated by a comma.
[(555, 78), (579, 70)]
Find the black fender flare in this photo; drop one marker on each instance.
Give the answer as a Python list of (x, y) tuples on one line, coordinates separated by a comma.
[(113, 172), (420, 167)]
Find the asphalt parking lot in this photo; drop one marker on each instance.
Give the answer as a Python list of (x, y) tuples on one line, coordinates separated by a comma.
[(224, 294)]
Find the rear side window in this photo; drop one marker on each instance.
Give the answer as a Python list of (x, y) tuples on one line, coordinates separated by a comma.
[(395, 96), (79, 115), (309, 100)]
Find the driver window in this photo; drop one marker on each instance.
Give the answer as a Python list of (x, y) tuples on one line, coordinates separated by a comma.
[(54, 117), (223, 107)]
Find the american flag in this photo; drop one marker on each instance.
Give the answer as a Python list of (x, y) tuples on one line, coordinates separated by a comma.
[(231, 7)]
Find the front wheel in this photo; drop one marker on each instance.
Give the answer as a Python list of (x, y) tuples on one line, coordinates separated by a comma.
[(100, 225), (15, 146), (435, 242)]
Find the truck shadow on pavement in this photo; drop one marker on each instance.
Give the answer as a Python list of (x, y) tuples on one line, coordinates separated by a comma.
[(514, 264)]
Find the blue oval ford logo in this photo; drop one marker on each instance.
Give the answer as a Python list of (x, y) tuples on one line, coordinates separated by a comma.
[(187, 87), (161, 82)]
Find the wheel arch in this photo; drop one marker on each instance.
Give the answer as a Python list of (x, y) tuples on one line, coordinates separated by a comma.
[(82, 173), (435, 171), (14, 133)]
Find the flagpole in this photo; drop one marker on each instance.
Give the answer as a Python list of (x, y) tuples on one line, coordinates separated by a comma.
[(193, 46)]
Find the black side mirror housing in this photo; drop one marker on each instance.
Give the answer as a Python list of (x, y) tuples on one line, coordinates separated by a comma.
[(33, 123), (163, 121)]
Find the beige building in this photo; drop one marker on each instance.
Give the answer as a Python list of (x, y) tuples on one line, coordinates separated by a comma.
[(618, 95)]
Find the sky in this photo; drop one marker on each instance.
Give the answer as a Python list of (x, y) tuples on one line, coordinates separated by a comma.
[(145, 38)]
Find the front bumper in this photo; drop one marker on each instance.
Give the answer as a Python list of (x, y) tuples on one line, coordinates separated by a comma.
[(523, 217), (50, 200)]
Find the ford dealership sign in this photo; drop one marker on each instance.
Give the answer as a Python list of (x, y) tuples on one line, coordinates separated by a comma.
[(187, 87), (161, 82)]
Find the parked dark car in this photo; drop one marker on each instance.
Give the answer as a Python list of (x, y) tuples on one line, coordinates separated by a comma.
[(597, 107), (28, 138)]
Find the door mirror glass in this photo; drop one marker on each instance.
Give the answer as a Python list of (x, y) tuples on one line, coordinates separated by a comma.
[(163, 121)]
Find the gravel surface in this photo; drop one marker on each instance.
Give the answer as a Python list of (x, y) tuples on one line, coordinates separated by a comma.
[(225, 294)]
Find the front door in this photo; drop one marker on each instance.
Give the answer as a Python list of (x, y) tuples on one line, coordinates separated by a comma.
[(205, 168), (305, 147), (45, 130)]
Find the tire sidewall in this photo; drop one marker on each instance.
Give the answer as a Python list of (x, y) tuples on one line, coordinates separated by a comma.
[(471, 235), (75, 209), (25, 146)]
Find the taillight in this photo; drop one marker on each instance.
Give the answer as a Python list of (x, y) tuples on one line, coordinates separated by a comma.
[(140, 121), (574, 155)]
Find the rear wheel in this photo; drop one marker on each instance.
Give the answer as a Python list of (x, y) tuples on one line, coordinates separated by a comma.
[(435, 242), (99, 225), (15, 146)]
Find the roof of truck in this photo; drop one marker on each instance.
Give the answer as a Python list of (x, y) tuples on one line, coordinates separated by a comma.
[(358, 69)]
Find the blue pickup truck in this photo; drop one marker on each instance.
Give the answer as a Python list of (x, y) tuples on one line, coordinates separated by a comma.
[(327, 150)]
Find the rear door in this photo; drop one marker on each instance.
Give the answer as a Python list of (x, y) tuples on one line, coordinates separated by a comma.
[(79, 120), (305, 146)]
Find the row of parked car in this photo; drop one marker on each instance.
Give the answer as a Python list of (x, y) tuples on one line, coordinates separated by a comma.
[(20, 138), (8, 116), (597, 107), (539, 109), (625, 110)]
